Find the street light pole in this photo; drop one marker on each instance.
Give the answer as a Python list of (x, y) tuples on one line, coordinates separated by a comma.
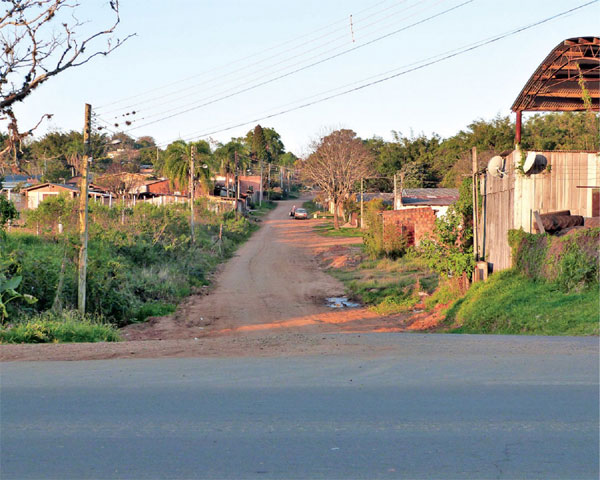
[(192, 164)]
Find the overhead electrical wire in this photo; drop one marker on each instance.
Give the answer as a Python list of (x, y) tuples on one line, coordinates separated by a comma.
[(258, 53), (241, 84), (244, 68), (266, 82), (438, 59)]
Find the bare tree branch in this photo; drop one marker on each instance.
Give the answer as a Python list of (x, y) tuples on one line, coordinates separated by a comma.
[(339, 160), (31, 52)]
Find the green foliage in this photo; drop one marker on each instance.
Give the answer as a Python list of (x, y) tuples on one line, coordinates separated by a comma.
[(136, 269), (388, 286), (54, 328), (450, 250), (571, 261), (8, 293), (576, 270), (8, 212), (528, 252), (511, 303)]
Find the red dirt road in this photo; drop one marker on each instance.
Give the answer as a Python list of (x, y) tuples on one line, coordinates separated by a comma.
[(269, 299)]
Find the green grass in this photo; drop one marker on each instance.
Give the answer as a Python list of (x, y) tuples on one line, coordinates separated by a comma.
[(510, 303), (56, 328), (387, 286), (327, 230), (154, 309), (262, 210)]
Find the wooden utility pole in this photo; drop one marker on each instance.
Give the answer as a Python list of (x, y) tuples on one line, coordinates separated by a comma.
[(395, 192), (475, 206), (362, 203), (269, 182), (192, 169), (83, 210), (260, 198)]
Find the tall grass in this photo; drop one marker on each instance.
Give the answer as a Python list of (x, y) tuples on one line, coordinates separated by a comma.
[(59, 328)]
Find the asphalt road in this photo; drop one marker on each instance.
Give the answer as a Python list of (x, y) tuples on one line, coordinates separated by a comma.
[(416, 406)]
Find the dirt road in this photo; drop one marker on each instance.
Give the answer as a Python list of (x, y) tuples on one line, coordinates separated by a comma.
[(268, 299), (274, 281)]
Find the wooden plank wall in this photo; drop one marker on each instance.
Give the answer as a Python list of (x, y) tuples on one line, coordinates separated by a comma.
[(497, 211), (510, 201)]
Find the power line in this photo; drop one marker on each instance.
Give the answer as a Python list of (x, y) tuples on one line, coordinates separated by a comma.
[(278, 46), (253, 87), (404, 72), (261, 72)]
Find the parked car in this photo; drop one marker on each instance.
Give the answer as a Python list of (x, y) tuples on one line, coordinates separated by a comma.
[(301, 213)]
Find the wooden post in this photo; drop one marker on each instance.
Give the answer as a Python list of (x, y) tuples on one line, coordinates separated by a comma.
[(260, 198), (83, 211), (192, 165), (474, 188), (269, 182), (395, 192), (362, 203)]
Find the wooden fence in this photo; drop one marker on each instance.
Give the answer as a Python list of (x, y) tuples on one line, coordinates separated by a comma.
[(569, 181)]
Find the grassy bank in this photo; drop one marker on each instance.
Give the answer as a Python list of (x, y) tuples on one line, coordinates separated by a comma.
[(388, 286), (141, 263), (511, 303)]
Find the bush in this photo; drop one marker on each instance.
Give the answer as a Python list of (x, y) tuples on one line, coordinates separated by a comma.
[(569, 261), (55, 328)]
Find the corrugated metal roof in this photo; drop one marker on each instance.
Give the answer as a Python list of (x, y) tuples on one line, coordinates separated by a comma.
[(554, 86)]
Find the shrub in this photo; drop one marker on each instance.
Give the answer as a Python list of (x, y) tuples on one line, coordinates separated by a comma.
[(55, 328)]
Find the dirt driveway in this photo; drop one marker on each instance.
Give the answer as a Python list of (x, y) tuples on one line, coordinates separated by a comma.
[(269, 298)]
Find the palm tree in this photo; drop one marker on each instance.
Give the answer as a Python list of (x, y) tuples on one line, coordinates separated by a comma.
[(225, 155), (177, 163)]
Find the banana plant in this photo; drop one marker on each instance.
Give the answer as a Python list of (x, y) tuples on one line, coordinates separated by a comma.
[(8, 293)]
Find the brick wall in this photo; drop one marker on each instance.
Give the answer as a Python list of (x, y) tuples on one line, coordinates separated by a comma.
[(413, 222)]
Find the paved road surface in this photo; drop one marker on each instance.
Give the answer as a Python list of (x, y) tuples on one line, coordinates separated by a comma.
[(413, 406)]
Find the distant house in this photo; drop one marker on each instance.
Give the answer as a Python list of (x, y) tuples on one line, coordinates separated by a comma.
[(13, 183), (38, 193)]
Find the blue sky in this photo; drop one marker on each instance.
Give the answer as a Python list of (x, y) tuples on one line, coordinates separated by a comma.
[(222, 47)]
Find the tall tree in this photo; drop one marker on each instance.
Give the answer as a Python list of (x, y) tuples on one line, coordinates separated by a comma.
[(39, 40), (338, 162)]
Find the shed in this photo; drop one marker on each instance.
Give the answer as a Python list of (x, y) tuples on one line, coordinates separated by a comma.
[(569, 180)]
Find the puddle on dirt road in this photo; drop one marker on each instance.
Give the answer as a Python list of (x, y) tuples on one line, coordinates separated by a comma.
[(340, 302)]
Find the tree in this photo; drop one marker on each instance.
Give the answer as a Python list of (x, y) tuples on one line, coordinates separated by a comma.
[(41, 39), (272, 141), (338, 162), (259, 145), (177, 162)]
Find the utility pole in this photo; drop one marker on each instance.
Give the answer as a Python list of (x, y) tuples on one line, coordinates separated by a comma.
[(362, 203), (269, 182), (260, 198), (395, 192), (475, 206), (192, 165), (83, 210), (236, 180)]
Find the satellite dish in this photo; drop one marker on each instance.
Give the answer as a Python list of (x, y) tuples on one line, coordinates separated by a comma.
[(496, 166), (534, 163), (529, 162)]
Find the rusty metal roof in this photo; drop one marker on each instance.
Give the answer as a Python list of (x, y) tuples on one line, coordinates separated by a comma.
[(555, 87)]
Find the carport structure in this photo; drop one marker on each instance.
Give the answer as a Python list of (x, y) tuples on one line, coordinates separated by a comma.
[(556, 85)]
